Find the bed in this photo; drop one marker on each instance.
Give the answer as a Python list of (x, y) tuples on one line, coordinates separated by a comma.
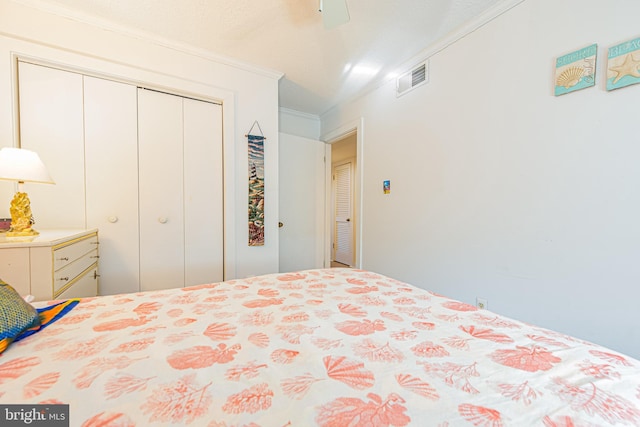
[(328, 347)]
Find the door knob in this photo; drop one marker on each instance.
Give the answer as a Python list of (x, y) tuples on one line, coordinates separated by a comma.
[(112, 219), (348, 219), (162, 220), (280, 225)]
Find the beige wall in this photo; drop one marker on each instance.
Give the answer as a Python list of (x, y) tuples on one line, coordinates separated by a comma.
[(344, 149)]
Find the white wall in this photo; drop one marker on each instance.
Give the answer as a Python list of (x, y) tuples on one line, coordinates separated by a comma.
[(247, 94), (503, 191), (298, 123)]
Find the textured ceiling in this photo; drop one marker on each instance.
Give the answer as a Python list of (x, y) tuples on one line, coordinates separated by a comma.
[(321, 67)]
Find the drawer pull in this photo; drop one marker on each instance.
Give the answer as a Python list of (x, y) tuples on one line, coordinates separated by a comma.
[(66, 258), (95, 256), (66, 279), (95, 243)]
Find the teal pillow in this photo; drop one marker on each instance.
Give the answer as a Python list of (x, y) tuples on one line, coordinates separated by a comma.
[(16, 315)]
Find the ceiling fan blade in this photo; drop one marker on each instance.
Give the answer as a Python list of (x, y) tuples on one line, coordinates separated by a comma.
[(334, 13)]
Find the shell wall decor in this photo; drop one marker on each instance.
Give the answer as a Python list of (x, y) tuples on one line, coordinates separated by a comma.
[(576, 70)]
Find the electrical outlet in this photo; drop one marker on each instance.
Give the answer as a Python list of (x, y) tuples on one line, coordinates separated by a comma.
[(482, 303)]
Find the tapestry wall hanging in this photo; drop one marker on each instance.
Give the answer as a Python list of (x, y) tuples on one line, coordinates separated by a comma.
[(576, 70), (623, 66), (256, 186)]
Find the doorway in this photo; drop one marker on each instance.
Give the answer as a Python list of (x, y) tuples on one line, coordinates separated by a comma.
[(343, 166), (352, 131), (344, 215)]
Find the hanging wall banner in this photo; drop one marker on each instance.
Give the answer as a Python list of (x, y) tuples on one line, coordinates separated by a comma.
[(256, 189)]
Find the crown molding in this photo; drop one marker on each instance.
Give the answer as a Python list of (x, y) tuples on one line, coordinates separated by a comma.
[(105, 24), (297, 113)]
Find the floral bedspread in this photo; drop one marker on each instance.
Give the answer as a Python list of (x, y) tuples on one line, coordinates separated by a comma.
[(335, 347)]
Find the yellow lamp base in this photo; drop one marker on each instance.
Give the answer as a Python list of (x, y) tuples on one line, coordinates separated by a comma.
[(23, 233), (21, 216)]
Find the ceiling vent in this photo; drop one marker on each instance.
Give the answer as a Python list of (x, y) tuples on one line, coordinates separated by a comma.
[(413, 78)]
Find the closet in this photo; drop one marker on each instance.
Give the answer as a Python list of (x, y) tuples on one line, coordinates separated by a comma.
[(144, 167)]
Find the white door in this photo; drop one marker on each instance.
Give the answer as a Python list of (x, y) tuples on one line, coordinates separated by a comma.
[(343, 214), (121, 169), (111, 159), (301, 203), (203, 192), (51, 124), (160, 174)]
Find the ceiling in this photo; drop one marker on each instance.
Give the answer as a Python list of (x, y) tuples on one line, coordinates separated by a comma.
[(321, 67)]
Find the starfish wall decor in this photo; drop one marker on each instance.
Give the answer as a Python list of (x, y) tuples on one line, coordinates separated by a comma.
[(623, 68)]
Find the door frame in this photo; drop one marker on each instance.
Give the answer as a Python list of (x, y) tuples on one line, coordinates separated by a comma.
[(357, 127)]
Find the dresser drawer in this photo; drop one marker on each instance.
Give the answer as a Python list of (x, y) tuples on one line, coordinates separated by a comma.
[(53, 264), (84, 286), (70, 251), (67, 274)]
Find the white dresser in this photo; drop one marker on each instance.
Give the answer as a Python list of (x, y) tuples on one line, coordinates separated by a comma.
[(56, 264)]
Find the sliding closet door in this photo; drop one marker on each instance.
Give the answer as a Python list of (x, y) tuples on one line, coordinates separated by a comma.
[(111, 151), (161, 190), (203, 188), (51, 124)]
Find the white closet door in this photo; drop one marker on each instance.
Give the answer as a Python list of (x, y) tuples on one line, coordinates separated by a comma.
[(203, 192), (111, 151), (343, 237), (160, 145), (51, 124)]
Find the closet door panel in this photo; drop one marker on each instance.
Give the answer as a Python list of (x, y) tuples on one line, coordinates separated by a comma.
[(111, 151), (51, 124), (160, 150), (203, 192)]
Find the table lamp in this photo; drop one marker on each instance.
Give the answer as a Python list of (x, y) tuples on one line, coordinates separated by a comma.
[(21, 165)]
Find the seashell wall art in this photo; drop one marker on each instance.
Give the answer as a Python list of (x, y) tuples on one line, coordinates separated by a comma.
[(576, 70)]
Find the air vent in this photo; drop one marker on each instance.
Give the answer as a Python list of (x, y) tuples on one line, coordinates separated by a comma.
[(413, 78)]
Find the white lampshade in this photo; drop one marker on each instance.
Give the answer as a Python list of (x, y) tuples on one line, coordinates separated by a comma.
[(17, 164)]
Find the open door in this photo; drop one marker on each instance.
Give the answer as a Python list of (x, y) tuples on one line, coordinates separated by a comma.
[(301, 203)]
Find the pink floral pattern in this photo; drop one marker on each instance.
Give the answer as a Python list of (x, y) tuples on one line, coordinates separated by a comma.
[(334, 347)]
